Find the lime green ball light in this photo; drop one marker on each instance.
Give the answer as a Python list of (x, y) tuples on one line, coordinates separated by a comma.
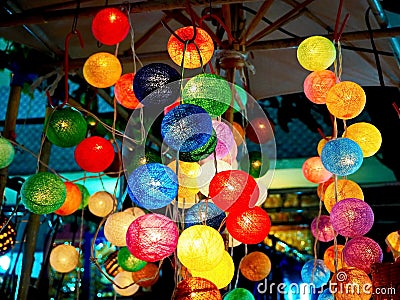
[(43, 193), (316, 53), (128, 261), (85, 195), (7, 153)]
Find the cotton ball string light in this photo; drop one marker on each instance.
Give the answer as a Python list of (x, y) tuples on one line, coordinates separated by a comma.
[(239, 294), (204, 212), (72, 201), (124, 93), (344, 188), (315, 272), (255, 163), (146, 276), (202, 152), (342, 156), (260, 130), (208, 170), (7, 153), (238, 133), (102, 203), (8, 234), (102, 70), (317, 84), (366, 135), (352, 217), (124, 284), (85, 195), (361, 252), (329, 257), (43, 193), (66, 127), (198, 50), (128, 261), (358, 280), (139, 158), (64, 258), (316, 53), (116, 227), (110, 26), (255, 266), (196, 288), (322, 143), (314, 171), (321, 228), (393, 240), (187, 177)]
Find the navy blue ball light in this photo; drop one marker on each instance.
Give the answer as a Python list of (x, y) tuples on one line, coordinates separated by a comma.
[(204, 213)]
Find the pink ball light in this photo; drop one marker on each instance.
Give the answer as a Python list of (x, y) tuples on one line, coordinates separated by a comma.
[(325, 233), (317, 84), (314, 171)]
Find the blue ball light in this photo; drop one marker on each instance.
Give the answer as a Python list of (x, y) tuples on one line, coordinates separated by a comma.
[(318, 276), (326, 295), (204, 213), (342, 156)]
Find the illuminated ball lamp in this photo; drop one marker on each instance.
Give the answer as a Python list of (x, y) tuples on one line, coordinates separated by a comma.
[(238, 133), (147, 276), (153, 186), (208, 171), (64, 258), (94, 154), (116, 227), (72, 201), (152, 237), (345, 188), (345, 100), (326, 295), (128, 261), (187, 177), (233, 189), (317, 84), (124, 284), (342, 156), (255, 163), (226, 145), (43, 193), (350, 283), (200, 247), (66, 127), (314, 171), (260, 130), (322, 229), (239, 294), (352, 217), (7, 153), (361, 252), (366, 135), (138, 158), (110, 26), (102, 203), (123, 91), (393, 241), (255, 266), (8, 234), (250, 226), (321, 189), (209, 91), (202, 152), (196, 288), (322, 143), (102, 70), (316, 53), (221, 275), (196, 53), (329, 257), (315, 272), (85, 195), (204, 212)]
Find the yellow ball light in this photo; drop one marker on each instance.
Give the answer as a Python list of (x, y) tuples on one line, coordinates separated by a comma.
[(102, 204), (116, 226), (187, 178), (102, 70), (393, 240), (255, 266), (64, 258), (316, 53), (124, 284), (200, 248), (346, 100), (366, 135), (345, 189)]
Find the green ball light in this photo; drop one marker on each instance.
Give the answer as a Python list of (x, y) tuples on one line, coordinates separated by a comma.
[(202, 152), (43, 193), (7, 153), (239, 294), (209, 91), (128, 261), (138, 159), (66, 127), (255, 164), (85, 195)]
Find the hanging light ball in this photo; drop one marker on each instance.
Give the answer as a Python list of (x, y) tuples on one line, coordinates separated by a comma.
[(316, 53), (188, 173), (204, 212), (43, 193), (366, 135), (361, 252), (124, 93), (128, 261), (209, 91), (85, 195), (66, 127), (197, 126), (233, 189), (116, 227), (239, 294), (314, 171), (202, 152), (315, 272), (321, 189), (221, 275), (260, 130), (255, 266), (138, 158), (238, 133), (102, 203), (322, 229), (351, 284), (72, 201), (7, 153), (317, 84), (64, 258), (200, 247), (124, 284), (329, 257), (346, 100), (8, 234), (102, 70), (196, 288), (147, 276), (352, 217), (322, 143), (94, 154), (255, 163), (152, 237), (344, 189), (342, 156), (110, 26), (250, 226), (208, 171), (326, 295), (198, 52), (393, 240), (153, 185)]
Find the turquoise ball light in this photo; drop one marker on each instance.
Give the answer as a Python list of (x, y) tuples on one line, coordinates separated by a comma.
[(7, 153), (239, 294), (318, 276)]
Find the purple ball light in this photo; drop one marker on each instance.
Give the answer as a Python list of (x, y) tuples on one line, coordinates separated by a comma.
[(325, 233)]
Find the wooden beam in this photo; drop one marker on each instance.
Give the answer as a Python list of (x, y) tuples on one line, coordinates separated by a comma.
[(150, 32)]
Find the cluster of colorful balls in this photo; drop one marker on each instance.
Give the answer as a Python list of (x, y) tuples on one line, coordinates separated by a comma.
[(348, 214)]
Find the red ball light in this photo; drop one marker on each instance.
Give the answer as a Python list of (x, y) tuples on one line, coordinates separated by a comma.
[(250, 226), (260, 130), (110, 26), (94, 154), (124, 93)]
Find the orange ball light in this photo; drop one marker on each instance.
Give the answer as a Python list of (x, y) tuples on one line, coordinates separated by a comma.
[(124, 93), (238, 133), (322, 188), (316, 53), (345, 189), (314, 171), (147, 276), (329, 258), (366, 135), (202, 44), (255, 266), (102, 70), (346, 100), (350, 283), (322, 143), (317, 84), (72, 200), (196, 288)]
